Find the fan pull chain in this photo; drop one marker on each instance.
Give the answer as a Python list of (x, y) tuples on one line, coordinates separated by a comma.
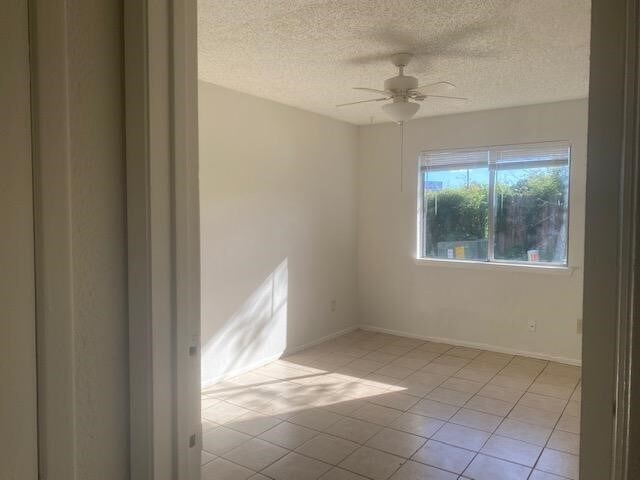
[(401, 157)]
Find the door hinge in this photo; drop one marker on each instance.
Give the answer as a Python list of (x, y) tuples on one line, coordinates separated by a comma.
[(192, 440)]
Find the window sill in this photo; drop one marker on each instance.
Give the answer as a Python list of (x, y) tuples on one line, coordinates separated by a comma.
[(496, 266)]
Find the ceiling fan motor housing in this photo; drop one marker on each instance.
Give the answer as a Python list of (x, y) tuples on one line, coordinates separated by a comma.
[(401, 84)]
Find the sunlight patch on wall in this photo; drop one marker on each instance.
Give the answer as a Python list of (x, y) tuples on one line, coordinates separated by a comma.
[(254, 334)]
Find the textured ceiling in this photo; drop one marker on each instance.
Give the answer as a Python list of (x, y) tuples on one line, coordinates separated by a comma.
[(309, 53)]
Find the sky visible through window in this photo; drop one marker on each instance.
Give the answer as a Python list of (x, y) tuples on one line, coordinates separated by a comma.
[(440, 180)]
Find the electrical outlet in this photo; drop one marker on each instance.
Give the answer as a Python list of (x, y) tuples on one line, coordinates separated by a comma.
[(579, 326), (531, 326), (333, 305)]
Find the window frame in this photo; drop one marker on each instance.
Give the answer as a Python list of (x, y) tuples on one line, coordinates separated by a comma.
[(493, 167)]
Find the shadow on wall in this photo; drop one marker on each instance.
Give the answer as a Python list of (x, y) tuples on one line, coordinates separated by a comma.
[(254, 334)]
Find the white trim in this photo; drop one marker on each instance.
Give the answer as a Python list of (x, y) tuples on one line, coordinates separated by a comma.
[(313, 343), (483, 346), (163, 236), (50, 81), (496, 266)]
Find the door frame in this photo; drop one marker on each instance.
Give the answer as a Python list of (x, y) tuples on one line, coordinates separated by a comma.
[(163, 230), (161, 118)]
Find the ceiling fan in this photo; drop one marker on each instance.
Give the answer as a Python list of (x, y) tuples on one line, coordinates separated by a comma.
[(404, 92)]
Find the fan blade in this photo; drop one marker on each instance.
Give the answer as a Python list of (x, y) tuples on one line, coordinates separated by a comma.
[(363, 101), (443, 86), (372, 90), (447, 97)]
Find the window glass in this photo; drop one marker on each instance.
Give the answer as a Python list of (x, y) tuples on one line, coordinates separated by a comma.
[(531, 214), (456, 213), (507, 203)]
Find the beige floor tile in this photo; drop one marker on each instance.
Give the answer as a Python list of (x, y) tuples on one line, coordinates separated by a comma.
[(559, 463), (542, 402), (441, 368), (427, 379), (259, 476), (206, 402), (464, 352), (417, 424), (489, 405), (395, 371), (418, 471), (255, 454), (452, 360), (354, 430), (316, 418), (365, 365), (476, 373), (372, 463), (538, 475), (557, 391), (221, 469), (396, 400), (435, 347), (398, 443), (327, 448), (344, 407), (511, 383), (422, 354), (444, 456), (288, 435), (512, 450), (431, 408), (565, 442), (501, 393), (207, 425), (460, 436), (223, 412), (526, 432), (206, 457), (253, 423), (489, 468), (396, 349), (477, 420), (337, 473), (462, 385), (573, 408), (534, 415), (297, 467), (380, 357), (376, 414), (451, 397), (569, 423), (221, 439), (412, 363)]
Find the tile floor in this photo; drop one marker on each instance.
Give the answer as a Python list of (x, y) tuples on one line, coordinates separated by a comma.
[(374, 406)]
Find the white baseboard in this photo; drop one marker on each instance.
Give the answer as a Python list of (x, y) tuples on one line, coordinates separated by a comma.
[(263, 361), (313, 343), (483, 346), (239, 371)]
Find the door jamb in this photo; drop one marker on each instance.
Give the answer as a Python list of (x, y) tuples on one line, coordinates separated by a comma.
[(163, 238)]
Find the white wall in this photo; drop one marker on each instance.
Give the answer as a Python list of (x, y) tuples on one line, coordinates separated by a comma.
[(486, 307), (278, 228)]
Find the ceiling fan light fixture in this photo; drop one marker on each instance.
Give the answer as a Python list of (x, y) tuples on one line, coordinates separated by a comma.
[(401, 111)]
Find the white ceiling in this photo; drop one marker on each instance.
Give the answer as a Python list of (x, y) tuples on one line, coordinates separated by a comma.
[(309, 53)]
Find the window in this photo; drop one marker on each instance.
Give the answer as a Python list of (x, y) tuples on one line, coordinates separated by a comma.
[(498, 204)]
